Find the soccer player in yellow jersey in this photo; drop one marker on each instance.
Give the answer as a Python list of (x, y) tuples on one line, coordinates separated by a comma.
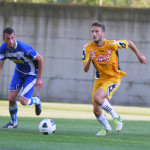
[(104, 56)]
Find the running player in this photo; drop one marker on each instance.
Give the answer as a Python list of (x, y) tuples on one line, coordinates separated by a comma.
[(27, 74), (103, 54)]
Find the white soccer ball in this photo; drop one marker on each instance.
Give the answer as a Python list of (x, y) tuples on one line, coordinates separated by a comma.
[(47, 126)]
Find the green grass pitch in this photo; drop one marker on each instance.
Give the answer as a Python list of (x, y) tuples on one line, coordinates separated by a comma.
[(76, 129)]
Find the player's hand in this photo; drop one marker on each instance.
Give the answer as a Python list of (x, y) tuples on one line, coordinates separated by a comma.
[(142, 59), (92, 54), (39, 84)]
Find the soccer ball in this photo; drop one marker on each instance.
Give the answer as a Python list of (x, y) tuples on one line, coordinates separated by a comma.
[(47, 126)]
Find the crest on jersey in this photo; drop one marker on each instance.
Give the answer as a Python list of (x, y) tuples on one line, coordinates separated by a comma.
[(18, 56), (109, 51)]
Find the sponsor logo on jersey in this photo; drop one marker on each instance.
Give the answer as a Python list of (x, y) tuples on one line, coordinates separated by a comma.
[(102, 58), (17, 61), (109, 51)]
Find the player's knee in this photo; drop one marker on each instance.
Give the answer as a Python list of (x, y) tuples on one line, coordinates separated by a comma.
[(98, 99), (12, 101), (95, 97), (23, 101)]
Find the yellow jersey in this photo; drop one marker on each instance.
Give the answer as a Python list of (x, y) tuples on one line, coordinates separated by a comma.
[(106, 59)]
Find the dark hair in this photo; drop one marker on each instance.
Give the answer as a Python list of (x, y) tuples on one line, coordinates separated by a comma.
[(98, 24), (8, 30)]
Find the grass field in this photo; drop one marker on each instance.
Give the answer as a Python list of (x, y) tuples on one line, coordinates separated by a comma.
[(76, 129)]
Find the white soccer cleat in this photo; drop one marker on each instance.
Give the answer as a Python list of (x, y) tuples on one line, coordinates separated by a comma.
[(118, 123), (11, 125), (103, 132)]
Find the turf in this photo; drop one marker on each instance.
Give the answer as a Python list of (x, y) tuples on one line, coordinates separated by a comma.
[(72, 134)]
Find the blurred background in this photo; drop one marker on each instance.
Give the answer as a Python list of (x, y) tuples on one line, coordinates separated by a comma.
[(58, 30), (108, 3)]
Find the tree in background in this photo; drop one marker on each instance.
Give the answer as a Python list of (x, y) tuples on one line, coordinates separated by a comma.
[(127, 3), (109, 3)]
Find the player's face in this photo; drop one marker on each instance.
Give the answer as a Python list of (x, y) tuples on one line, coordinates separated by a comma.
[(97, 34), (10, 39)]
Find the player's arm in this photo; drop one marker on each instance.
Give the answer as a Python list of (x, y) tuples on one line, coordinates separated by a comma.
[(141, 58), (1, 65), (87, 65), (39, 82)]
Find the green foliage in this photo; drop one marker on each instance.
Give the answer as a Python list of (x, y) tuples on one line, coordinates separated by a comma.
[(31, 1), (110, 3), (127, 3)]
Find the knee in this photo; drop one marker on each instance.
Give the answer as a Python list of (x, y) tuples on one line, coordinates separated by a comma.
[(23, 101), (12, 100), (97, 99)]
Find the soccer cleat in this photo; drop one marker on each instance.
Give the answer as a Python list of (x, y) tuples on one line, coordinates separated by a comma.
[(11, 125), (103, 132), (38, 106), (118, 123)]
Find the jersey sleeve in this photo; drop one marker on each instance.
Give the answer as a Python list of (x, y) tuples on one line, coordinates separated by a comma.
[(2, 55), (27, 49), (115, 45), (85, 56), (31, 53), (122, 44)]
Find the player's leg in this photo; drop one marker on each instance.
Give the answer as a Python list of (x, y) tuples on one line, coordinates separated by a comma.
[(30, 101), (26, 95), (13, 109), (101, 117), (117, 119), (107, 106), (14, 88), (97, 110)]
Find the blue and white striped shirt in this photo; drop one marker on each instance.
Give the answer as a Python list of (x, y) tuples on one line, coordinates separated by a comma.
[(23, 55)]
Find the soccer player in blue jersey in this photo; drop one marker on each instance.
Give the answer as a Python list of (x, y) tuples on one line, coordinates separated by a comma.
[(27, 74)]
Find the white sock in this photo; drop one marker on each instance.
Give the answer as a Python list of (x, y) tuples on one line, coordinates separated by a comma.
[(13, 113), (103, 120), (33, 100), (108, 108)]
